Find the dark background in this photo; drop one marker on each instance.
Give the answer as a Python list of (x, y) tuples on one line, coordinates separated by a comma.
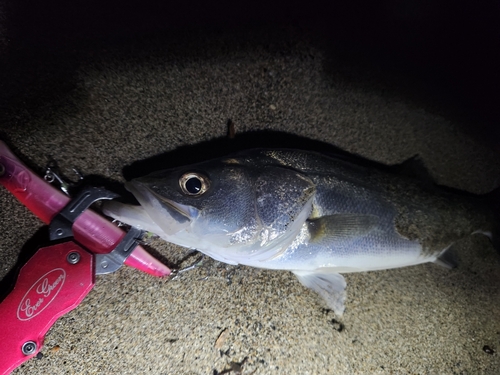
[(442, 55)]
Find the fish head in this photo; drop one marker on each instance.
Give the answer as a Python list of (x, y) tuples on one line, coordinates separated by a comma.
[(206, 199), (226, 203)]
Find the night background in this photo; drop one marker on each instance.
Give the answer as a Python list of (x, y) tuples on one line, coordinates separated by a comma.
[(118, 89)]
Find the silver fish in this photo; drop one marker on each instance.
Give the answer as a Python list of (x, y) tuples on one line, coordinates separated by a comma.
[(314, 215)]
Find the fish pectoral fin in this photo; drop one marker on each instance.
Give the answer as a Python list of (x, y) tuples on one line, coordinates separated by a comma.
[(341, 227), (329, 285)]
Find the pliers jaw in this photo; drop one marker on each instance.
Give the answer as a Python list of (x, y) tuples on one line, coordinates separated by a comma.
[(61, 228), (91, 230)]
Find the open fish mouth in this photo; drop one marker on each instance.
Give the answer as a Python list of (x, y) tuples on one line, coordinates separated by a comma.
[(170, 216)]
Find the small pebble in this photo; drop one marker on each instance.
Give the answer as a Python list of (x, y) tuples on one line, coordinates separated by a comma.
[(488, 350), (55, 349), (221, 339)]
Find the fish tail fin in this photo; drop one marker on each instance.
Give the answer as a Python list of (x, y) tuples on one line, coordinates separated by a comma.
[(447, 259)]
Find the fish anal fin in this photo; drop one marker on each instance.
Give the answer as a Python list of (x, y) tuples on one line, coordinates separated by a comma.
[(329, 285), (340, 227)]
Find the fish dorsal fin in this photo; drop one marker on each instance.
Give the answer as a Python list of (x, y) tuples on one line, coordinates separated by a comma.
[(281, 195), (415, 168), (329, 285), (341, 227)]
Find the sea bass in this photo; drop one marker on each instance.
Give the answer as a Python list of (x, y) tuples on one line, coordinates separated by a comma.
[(311, 214)]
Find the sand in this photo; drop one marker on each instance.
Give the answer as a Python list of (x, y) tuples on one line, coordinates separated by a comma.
[(102, 108)]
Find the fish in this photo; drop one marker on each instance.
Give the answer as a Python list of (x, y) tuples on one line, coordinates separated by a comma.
[(318, 216)]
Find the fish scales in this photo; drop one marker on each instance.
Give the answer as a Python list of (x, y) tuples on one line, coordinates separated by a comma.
[(431, 227), (315, 215)]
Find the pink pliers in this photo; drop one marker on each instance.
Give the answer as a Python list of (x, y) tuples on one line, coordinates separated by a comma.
[(57, 277)]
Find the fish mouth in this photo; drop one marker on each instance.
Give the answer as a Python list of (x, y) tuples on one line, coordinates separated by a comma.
[(170, 216)]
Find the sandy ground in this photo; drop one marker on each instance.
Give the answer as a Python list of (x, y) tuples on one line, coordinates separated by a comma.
[(105, 108)]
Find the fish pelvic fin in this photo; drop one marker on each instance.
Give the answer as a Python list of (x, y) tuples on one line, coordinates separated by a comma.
[(329, 285)]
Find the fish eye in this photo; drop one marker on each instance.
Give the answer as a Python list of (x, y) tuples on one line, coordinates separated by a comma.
[(193, 184)]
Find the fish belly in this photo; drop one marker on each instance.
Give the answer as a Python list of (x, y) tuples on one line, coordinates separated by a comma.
[(381, 249)]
